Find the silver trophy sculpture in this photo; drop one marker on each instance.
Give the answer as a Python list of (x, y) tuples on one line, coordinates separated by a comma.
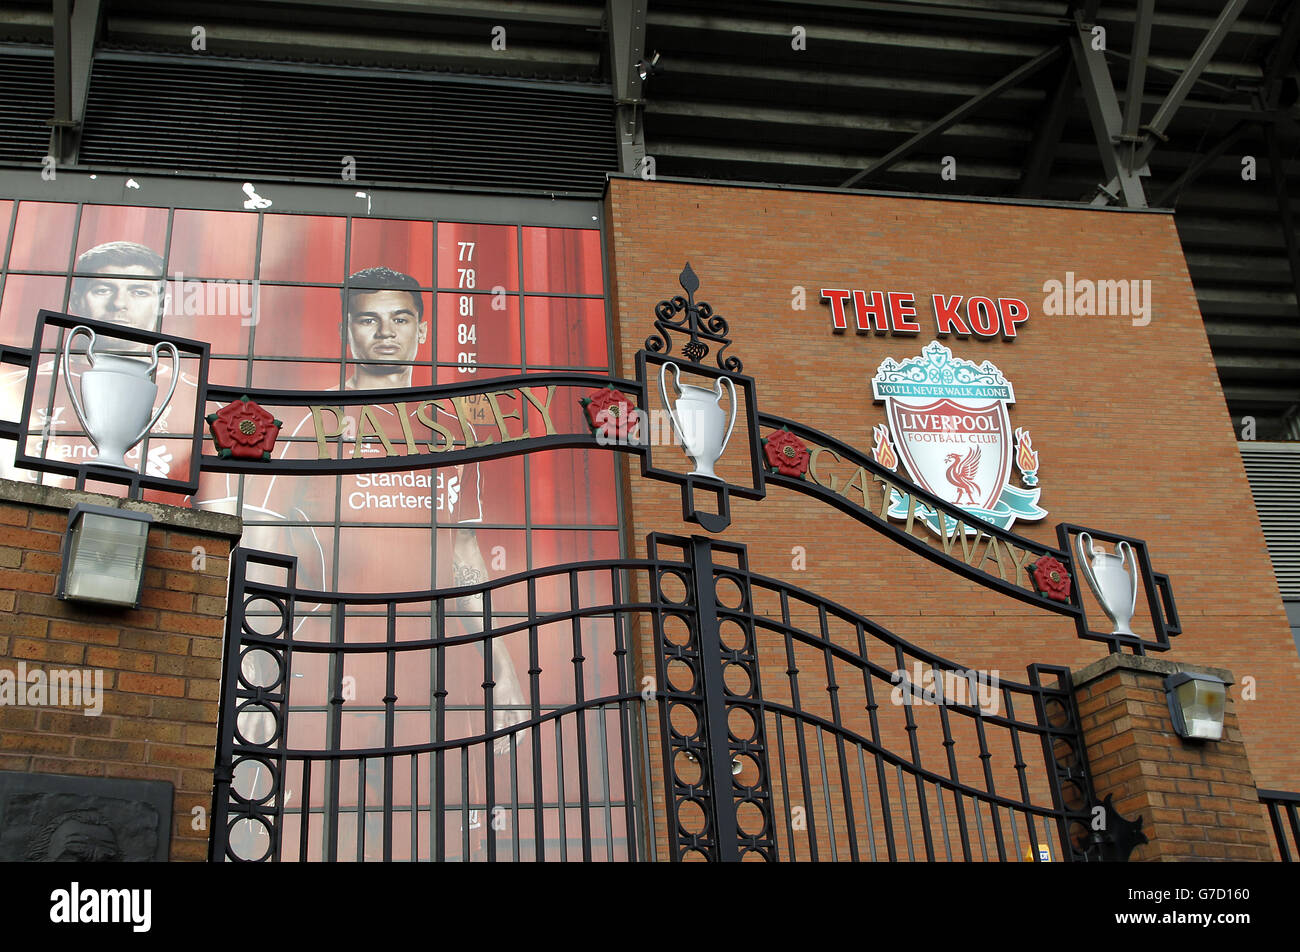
[(118, 394), (698, 419), (1116, 589)]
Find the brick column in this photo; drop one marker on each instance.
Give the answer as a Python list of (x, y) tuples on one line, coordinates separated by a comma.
[(161, 663), (1197, 798)]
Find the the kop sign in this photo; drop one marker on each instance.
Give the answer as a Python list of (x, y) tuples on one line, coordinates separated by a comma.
[(946, 417)]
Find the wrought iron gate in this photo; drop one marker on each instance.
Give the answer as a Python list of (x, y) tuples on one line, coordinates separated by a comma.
[(763, 721)]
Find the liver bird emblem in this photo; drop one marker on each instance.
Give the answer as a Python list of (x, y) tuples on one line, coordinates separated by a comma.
[(961, 473)]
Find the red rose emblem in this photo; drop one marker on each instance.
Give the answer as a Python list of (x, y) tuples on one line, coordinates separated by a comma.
[(786, 453), (244, 430), (610, 412), (1051, 579)]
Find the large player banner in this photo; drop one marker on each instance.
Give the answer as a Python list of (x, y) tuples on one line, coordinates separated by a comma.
[(335, 303)]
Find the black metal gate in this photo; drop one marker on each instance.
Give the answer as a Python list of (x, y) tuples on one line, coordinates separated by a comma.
[(763, 721)]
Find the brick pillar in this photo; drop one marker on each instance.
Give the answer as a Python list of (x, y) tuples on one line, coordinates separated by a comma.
[(161, 663), (1197, 798)]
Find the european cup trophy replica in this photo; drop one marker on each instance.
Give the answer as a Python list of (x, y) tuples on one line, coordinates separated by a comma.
[(698, 419), (1112, 583), (115, 405)]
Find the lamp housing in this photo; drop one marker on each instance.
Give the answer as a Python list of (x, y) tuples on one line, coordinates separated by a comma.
[(103, 555), (1196, 705)]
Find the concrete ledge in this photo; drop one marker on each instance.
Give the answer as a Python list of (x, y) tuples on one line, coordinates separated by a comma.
[(1144, 663), (173, 517)]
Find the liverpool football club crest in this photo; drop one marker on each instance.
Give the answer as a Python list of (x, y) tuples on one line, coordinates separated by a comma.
[(948, 424)]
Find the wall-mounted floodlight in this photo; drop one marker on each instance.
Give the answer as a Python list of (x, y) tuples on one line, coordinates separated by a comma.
[(1196, 704), (103, 555)]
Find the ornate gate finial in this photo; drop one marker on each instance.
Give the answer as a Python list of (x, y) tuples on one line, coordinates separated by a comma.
[(699, 321)]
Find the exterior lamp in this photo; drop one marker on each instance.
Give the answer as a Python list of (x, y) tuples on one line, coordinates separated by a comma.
[(103, 555), (1196, 704)]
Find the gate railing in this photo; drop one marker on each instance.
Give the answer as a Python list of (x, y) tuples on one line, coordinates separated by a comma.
[(815, 722), (370, 727), (1280, 804), (515, 721)]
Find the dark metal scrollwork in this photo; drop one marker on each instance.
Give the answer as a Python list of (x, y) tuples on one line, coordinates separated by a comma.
[(697, 320)]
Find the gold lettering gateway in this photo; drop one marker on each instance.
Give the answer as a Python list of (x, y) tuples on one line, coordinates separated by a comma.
[(1009, 560), (420, 430)]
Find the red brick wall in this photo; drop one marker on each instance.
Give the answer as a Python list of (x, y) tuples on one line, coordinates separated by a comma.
[(1130, 422), (1198, 800), (161, 662)]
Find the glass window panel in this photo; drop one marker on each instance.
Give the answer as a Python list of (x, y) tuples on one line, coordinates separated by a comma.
[(562, 261), (565, 332), (560, 547), (404, 246), (42, 236), (110, 224), (573, 486), (219, 312), (24, 295), (468, 552), (501, 491), (304, 248), (168, 458), (384, 560), (387, 331), (413, 682), (116, 294), (217, 492), (478, 329), (178, 417), (297, 322), (307, 732), (388, 497), (227, 373), (478, 257), (314, 548), (473, 374), (296, 499), (295, 375), (565, 410), (207, 244)]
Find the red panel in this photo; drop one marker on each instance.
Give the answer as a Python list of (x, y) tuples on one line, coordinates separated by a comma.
[(504, 552), (209, 244), (388, 497), (460, 374), (218, 312), (472, 331), (562, 261), (565, 332), (303, 248), (559, 547), (573, 486), (298, 322), (101, 224), (500, 490), (405, 246), (42, 236), (24, 295), (314, 548), (384, 560), (478, 257), (292, 375)]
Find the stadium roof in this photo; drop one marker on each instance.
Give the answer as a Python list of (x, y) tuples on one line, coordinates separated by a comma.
[(1190, 105)]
